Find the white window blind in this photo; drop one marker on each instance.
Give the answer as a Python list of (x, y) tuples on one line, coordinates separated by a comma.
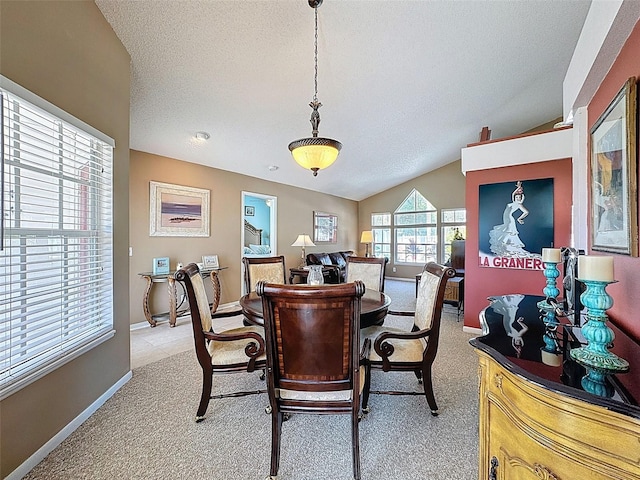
[(56, 254)]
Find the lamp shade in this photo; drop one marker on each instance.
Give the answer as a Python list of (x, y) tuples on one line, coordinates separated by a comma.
[(366, 237), (315, 153), (303, 241)]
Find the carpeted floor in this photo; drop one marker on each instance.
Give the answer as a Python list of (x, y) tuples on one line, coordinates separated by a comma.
[(147, 429)]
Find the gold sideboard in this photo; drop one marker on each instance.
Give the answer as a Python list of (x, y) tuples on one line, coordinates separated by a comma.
[(534, 425)]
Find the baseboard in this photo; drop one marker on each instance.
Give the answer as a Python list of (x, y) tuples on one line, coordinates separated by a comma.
[(474, 330), (57, 439)]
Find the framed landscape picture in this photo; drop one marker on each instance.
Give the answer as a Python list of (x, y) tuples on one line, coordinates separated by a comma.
[(178, 211), (614, 198)]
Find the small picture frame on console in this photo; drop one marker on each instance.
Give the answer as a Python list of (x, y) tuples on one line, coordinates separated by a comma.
[(210, 261), (161, 266)]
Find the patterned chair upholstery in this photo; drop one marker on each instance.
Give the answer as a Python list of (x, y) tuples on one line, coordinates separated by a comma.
[(370, 270), (268, 269)]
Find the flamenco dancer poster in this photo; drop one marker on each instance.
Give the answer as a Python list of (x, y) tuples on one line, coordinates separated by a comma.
[(516, 222)]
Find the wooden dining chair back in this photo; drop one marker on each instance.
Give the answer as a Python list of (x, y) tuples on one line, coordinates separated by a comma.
[(414, 350), (371, 270), (267, 269), (314, 361), (235, 350)]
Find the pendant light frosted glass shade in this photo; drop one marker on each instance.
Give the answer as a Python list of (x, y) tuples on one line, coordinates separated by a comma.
[(315, 153)]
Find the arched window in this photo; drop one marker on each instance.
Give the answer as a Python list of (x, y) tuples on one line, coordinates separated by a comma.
[(416, 230)]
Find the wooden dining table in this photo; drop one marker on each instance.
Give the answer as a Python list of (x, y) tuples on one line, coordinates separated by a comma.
[(373, 310)]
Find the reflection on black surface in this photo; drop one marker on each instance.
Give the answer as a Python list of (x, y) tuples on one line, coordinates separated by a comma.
[(513, 331), (516, 329)]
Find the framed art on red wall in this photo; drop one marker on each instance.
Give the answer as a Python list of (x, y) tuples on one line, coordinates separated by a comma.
[(614, 197)]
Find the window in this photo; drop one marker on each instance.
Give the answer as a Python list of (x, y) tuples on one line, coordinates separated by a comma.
[(56, 253), (381, 230), (454, 227), (416, 231)]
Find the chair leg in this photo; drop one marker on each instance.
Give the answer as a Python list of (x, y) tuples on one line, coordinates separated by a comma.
[(355, 440), (428, 391), (418, 376), (207, 380), (276, 431), (366, 389)]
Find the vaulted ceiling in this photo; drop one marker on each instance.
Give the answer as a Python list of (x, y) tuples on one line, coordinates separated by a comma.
[(405, 84)]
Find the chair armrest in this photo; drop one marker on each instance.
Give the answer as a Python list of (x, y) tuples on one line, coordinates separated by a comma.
[(364, 351), (385, 349), (253, 349)]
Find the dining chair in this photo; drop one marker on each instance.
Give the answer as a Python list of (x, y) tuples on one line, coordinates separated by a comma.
[(396, 349), (236, 350), (371, 270), (314, 361), (268, 269)]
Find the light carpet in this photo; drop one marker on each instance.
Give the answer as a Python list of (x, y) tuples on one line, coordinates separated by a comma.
[(147, 429)]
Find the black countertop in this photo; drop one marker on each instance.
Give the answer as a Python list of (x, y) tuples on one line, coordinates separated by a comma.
[(517, 338)]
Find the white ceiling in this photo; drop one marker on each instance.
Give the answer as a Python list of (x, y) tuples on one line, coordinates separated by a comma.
[(405, 84)]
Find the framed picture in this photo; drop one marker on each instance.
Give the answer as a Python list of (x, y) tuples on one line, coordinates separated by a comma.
[(161, 266), (249, 211), (515, 222), (177, 211), (614, 221), (210, 261), (325, 227)]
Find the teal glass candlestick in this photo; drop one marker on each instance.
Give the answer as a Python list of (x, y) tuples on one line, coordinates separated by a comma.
[(596, 355), (550, 291), (551, 273)]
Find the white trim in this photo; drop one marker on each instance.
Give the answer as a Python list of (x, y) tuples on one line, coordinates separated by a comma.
[(39, 102), (58, 438), (473, 330), (541, 147)]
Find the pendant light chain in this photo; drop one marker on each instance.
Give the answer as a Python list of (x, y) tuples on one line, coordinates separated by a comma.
[(315, 152), (315, 78)]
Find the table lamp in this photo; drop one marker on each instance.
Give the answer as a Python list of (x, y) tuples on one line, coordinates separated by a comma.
[(366, 238), (303, 241)]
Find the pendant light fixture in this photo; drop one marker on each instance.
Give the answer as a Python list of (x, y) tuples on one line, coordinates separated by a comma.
[(315, 153)]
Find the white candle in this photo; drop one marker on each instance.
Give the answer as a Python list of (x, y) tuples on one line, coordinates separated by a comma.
[(551, 255), (591, 267)]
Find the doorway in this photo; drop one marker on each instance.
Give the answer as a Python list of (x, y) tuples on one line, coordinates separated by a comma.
[(259, 227)]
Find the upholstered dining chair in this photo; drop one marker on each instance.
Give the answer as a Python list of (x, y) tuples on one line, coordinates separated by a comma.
[(314, 361), (413, 350), (370, 270), (236, 350), (268, 269)]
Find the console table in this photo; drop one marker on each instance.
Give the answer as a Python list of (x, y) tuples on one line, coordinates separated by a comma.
[(175, 309), (536, 420)]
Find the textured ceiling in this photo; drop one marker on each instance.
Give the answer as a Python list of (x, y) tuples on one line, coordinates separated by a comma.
[(404, 84)]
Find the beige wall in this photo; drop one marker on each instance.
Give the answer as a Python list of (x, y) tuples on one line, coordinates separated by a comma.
[(444, 188), (295, 216), (67, 53)]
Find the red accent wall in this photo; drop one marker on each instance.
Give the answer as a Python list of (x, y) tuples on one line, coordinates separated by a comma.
[(626, 292), (482, 282)]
